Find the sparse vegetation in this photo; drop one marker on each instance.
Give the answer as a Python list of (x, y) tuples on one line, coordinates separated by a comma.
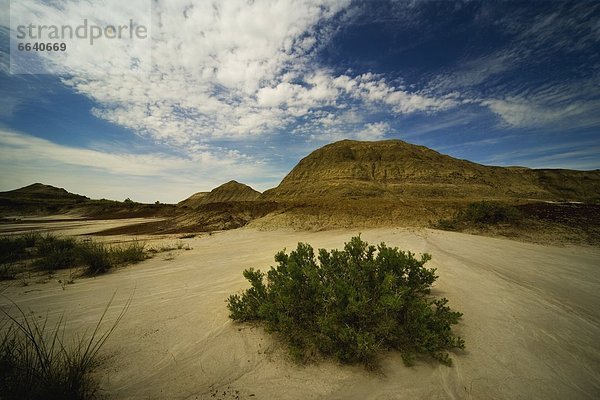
[(350, 304), (96, 257), (7, 272), (50, 252), (36, 362), (480, 214), (56, 252), (179, 245), (129, 253)]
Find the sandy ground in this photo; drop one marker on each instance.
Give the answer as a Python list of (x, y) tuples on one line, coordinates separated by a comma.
[(68, 225), (531, 323)]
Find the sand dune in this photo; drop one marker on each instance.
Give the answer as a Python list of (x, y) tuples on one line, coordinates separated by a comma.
[(531, 323)]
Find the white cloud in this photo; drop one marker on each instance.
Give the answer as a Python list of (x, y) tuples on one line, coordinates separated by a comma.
[(518, 113), (563, 106), (374, 131), (227, 69)]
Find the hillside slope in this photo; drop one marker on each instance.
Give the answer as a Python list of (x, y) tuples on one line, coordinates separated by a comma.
[(39, 191), (231, 191), (396, 169)]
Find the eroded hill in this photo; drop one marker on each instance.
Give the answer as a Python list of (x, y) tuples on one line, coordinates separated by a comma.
[(393, 169)]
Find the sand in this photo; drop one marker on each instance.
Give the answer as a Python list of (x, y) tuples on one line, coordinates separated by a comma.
[(531, 323), (68, 225)]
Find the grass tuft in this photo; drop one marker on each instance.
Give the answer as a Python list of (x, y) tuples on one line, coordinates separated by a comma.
[(131, 253), (37, 362), (96, 257), (50, 252)]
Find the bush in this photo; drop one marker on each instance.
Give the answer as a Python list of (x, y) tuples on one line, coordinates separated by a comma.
[(483, 213), (37, 363), (488, 212), (351, 304)]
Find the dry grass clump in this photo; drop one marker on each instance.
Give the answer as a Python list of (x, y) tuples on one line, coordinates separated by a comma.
[(37, 361), (50, 252)]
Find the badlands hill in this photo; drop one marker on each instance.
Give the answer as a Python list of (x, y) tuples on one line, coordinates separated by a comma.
[(39, 200), (39, 191), (231, 191), (353, 184), (396, 169)]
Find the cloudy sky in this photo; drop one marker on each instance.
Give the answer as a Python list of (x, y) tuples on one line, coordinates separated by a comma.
[(243, 89)]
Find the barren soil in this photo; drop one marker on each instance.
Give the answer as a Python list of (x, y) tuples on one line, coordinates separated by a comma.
[(531, 322)]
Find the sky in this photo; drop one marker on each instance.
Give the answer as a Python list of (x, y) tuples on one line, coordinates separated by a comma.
[(243, 89)]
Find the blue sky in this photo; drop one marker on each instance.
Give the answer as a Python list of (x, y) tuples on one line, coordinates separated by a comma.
[(244, 89)]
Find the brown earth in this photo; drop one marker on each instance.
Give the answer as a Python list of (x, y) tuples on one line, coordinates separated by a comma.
[(359, 185), (396, 169), (231, 191)]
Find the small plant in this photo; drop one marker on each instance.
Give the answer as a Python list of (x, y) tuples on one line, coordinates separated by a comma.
[(36, 362), (350, 304), (179, 245)]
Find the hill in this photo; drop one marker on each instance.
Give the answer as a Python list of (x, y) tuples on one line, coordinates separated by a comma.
[(39, 191), (194, 200), (231, 191), (40, 199), (353, 184), (395, 169)]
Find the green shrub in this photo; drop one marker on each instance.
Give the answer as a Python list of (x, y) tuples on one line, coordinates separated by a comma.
[(350, 304), (488, 212), (36, 362), (447, 224), (483, 213)]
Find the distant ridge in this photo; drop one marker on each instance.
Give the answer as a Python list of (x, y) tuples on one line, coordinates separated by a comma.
[(231, 191), (396, 169), (40, 191)]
